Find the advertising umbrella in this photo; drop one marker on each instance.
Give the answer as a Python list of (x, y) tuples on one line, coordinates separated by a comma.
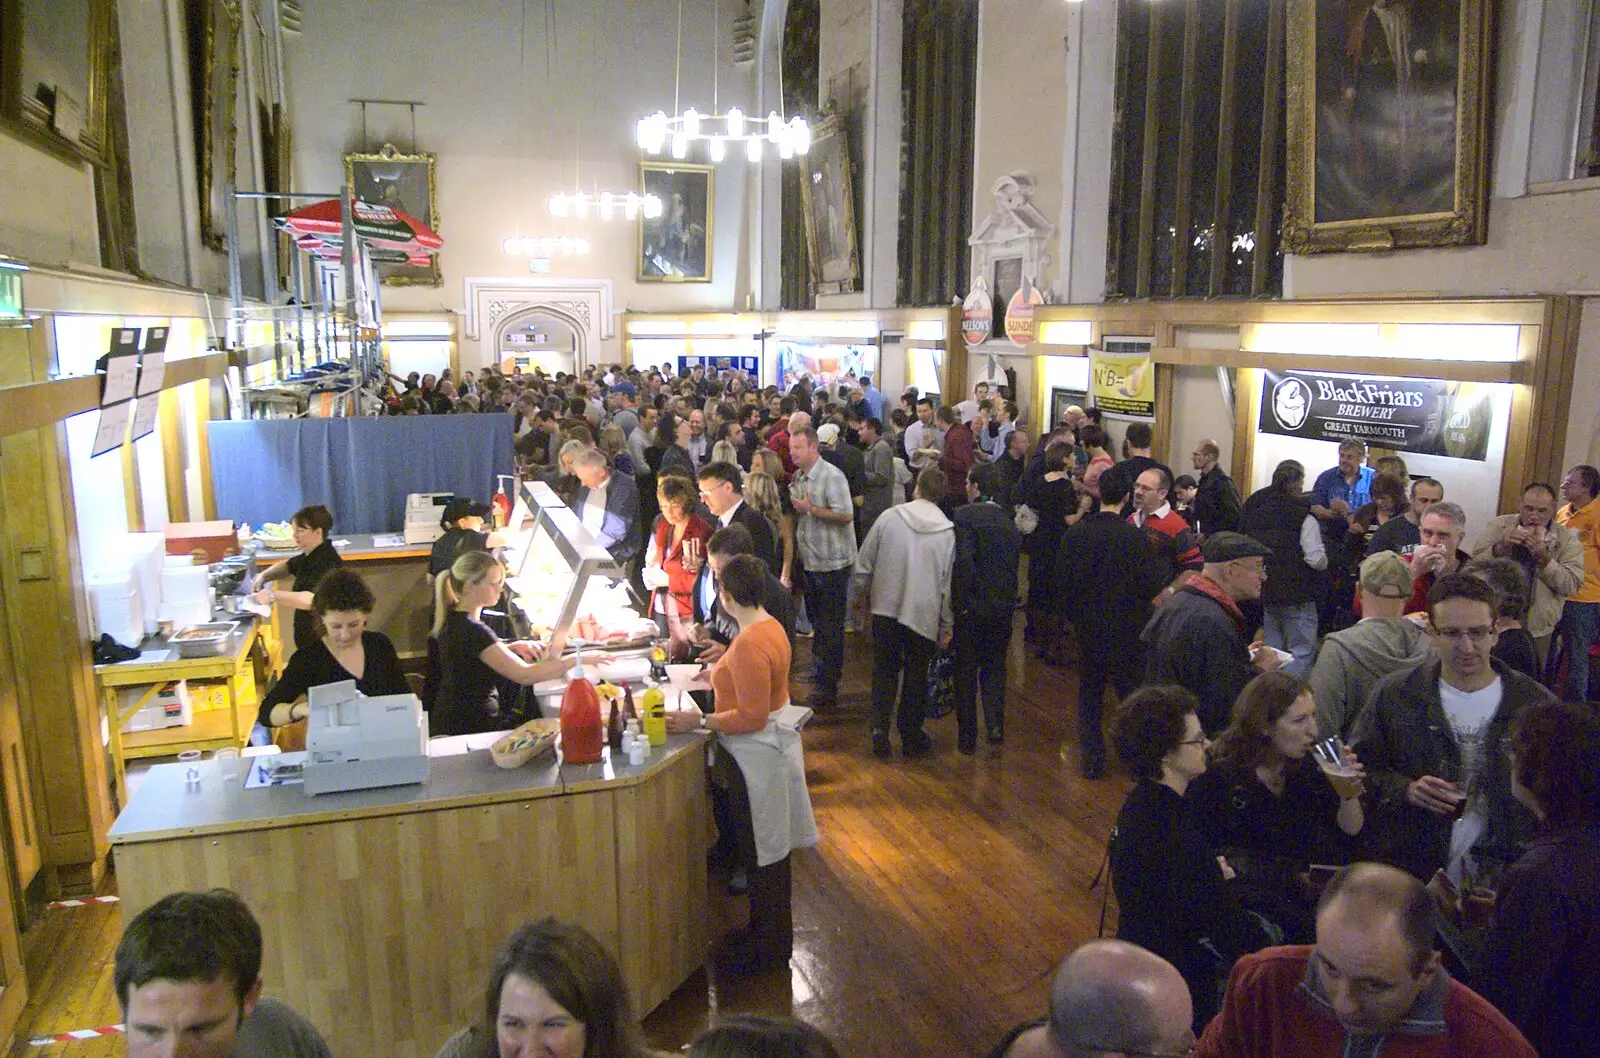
[(384, 227)]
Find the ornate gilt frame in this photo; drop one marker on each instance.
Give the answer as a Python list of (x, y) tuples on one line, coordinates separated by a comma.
[(711, 202), (408, 275), (828, 130), (222, 26), (1466, 224)]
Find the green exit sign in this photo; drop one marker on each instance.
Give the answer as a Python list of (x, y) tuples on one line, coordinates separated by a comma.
[(10, 293)]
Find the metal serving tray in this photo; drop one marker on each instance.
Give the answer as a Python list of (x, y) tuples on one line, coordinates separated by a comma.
[(213, 643)]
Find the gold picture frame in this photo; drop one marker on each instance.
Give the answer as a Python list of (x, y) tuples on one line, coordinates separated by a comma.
[(676, 247), (407, 182), (1388, 125), (215, 27), (827, 193)]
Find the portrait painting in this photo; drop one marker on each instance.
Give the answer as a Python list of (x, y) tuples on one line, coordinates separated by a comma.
[(1061, 400), (675, 247), (214, 63), (827, 194), (1387, 123), (405, 182)]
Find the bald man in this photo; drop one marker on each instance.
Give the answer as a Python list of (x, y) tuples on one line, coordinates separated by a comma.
[(1110, 997), (1372, 985)]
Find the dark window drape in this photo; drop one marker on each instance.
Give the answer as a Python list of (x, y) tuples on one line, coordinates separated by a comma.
[(939, 74), (1198, 151), (801, 50)]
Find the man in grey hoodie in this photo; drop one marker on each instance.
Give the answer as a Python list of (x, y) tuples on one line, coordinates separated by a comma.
[(1352, 662), (902, 575)]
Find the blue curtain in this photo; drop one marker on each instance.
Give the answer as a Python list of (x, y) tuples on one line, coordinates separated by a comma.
[(362, 469)]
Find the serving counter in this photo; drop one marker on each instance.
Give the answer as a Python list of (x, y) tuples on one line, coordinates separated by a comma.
[(381, 910)]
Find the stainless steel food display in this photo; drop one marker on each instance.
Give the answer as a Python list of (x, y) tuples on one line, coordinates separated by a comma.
[(568, 587)]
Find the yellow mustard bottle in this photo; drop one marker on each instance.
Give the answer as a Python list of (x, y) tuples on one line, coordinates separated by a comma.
[(654, 705)]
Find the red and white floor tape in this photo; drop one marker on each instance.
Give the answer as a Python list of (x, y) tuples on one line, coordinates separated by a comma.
[(74, 1037)]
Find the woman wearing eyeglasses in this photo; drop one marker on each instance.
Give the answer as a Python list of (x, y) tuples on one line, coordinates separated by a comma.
[(1173, 894)]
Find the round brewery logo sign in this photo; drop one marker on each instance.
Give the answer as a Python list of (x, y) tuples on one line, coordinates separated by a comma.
[(977, 316), (1291, 403)]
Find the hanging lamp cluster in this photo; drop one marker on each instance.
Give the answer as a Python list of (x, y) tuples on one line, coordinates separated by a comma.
[(604, 205), (658, 132)]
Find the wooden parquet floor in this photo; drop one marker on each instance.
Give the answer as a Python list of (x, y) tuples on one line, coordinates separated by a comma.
[(927, 922)]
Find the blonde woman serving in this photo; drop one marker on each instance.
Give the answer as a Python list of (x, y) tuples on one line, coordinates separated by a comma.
[(471, 655)]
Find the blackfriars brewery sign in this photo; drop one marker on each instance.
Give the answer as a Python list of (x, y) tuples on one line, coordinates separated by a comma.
[(1426, 416)]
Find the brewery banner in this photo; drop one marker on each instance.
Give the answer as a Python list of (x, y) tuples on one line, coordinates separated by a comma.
[(1422, 415), (1122, 381)]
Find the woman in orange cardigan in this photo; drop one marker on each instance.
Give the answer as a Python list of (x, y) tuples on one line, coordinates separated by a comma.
[(672, 561), (759, 761)]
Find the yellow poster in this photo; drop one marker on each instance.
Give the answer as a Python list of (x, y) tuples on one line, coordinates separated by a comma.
[(1123, 383)]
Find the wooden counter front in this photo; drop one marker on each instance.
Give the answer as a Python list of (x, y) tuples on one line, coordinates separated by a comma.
[(382, 909)]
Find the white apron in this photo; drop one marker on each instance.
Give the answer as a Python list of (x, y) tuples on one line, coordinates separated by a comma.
[(774, 768)]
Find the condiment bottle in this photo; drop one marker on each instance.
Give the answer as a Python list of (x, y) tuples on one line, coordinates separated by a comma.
[(658, 662), (614, 723), (630, 711), (655, 715), (582, 734)]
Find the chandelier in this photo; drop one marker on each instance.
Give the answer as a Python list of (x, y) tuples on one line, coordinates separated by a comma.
[(658, 132), (718, 130), (604, 205)]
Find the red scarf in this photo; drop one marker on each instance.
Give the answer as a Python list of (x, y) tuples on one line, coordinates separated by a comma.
[(1209, 588)]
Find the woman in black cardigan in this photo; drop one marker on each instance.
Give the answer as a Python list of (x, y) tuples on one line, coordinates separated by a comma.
[(344, 651), (1173, 895)]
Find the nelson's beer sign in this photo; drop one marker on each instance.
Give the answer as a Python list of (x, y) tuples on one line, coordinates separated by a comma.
[(1426, 416)]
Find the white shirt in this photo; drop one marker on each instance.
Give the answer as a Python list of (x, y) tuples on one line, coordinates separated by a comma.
[(725, 519), (594, 508), (1316, 555), (1160, 512), (968, 410), (1469, 713)]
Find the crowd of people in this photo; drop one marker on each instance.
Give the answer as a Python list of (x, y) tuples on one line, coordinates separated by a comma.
[(1366, 770)]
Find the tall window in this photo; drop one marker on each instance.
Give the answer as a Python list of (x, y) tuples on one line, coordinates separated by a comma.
[(939, 73), (802, 30), (1197, 180)]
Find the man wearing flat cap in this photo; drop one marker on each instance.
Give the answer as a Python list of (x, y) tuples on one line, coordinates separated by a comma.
[(1199, 639), (1352, 661)]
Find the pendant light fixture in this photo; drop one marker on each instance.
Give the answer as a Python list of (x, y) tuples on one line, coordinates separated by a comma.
[(718, 130)]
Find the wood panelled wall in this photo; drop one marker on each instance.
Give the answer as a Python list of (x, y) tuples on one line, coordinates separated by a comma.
[(939, 78), (1197, 175)]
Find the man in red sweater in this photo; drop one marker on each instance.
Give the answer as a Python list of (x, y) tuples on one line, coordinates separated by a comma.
[(1166, 528), (959, 455), (1371, 987)]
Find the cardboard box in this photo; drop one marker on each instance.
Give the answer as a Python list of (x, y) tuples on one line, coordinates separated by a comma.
[(217, 540), (171, 707)]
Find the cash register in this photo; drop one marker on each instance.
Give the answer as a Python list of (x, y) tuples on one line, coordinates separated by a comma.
[(423, 511), (359, 743)]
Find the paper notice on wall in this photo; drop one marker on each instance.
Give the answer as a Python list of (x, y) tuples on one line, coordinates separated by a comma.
[(121, 365), (113, 427), (153, 365), (145, 410)]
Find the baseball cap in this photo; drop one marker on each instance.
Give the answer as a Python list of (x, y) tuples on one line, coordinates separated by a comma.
[(828, 433), (625, 387), (1227, 546), (1386, 575), (462, 507)]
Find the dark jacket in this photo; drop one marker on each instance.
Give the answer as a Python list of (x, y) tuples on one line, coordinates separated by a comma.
[(1275, 518), (622, 532), (1402, 735), (1171, 896), (776, 599), (848, 459), (1216, 503), (761, 532), (983, 581), (1541, 963), (1104, 580), (1193, 642)]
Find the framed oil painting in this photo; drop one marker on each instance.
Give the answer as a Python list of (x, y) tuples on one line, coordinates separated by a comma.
[(405, 182), (676, 246), (1388, 112), (827, 193), (214, 60)]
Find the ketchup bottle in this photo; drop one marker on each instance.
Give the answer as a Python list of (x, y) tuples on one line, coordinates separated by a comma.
[(582, 733), (500, 505)]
